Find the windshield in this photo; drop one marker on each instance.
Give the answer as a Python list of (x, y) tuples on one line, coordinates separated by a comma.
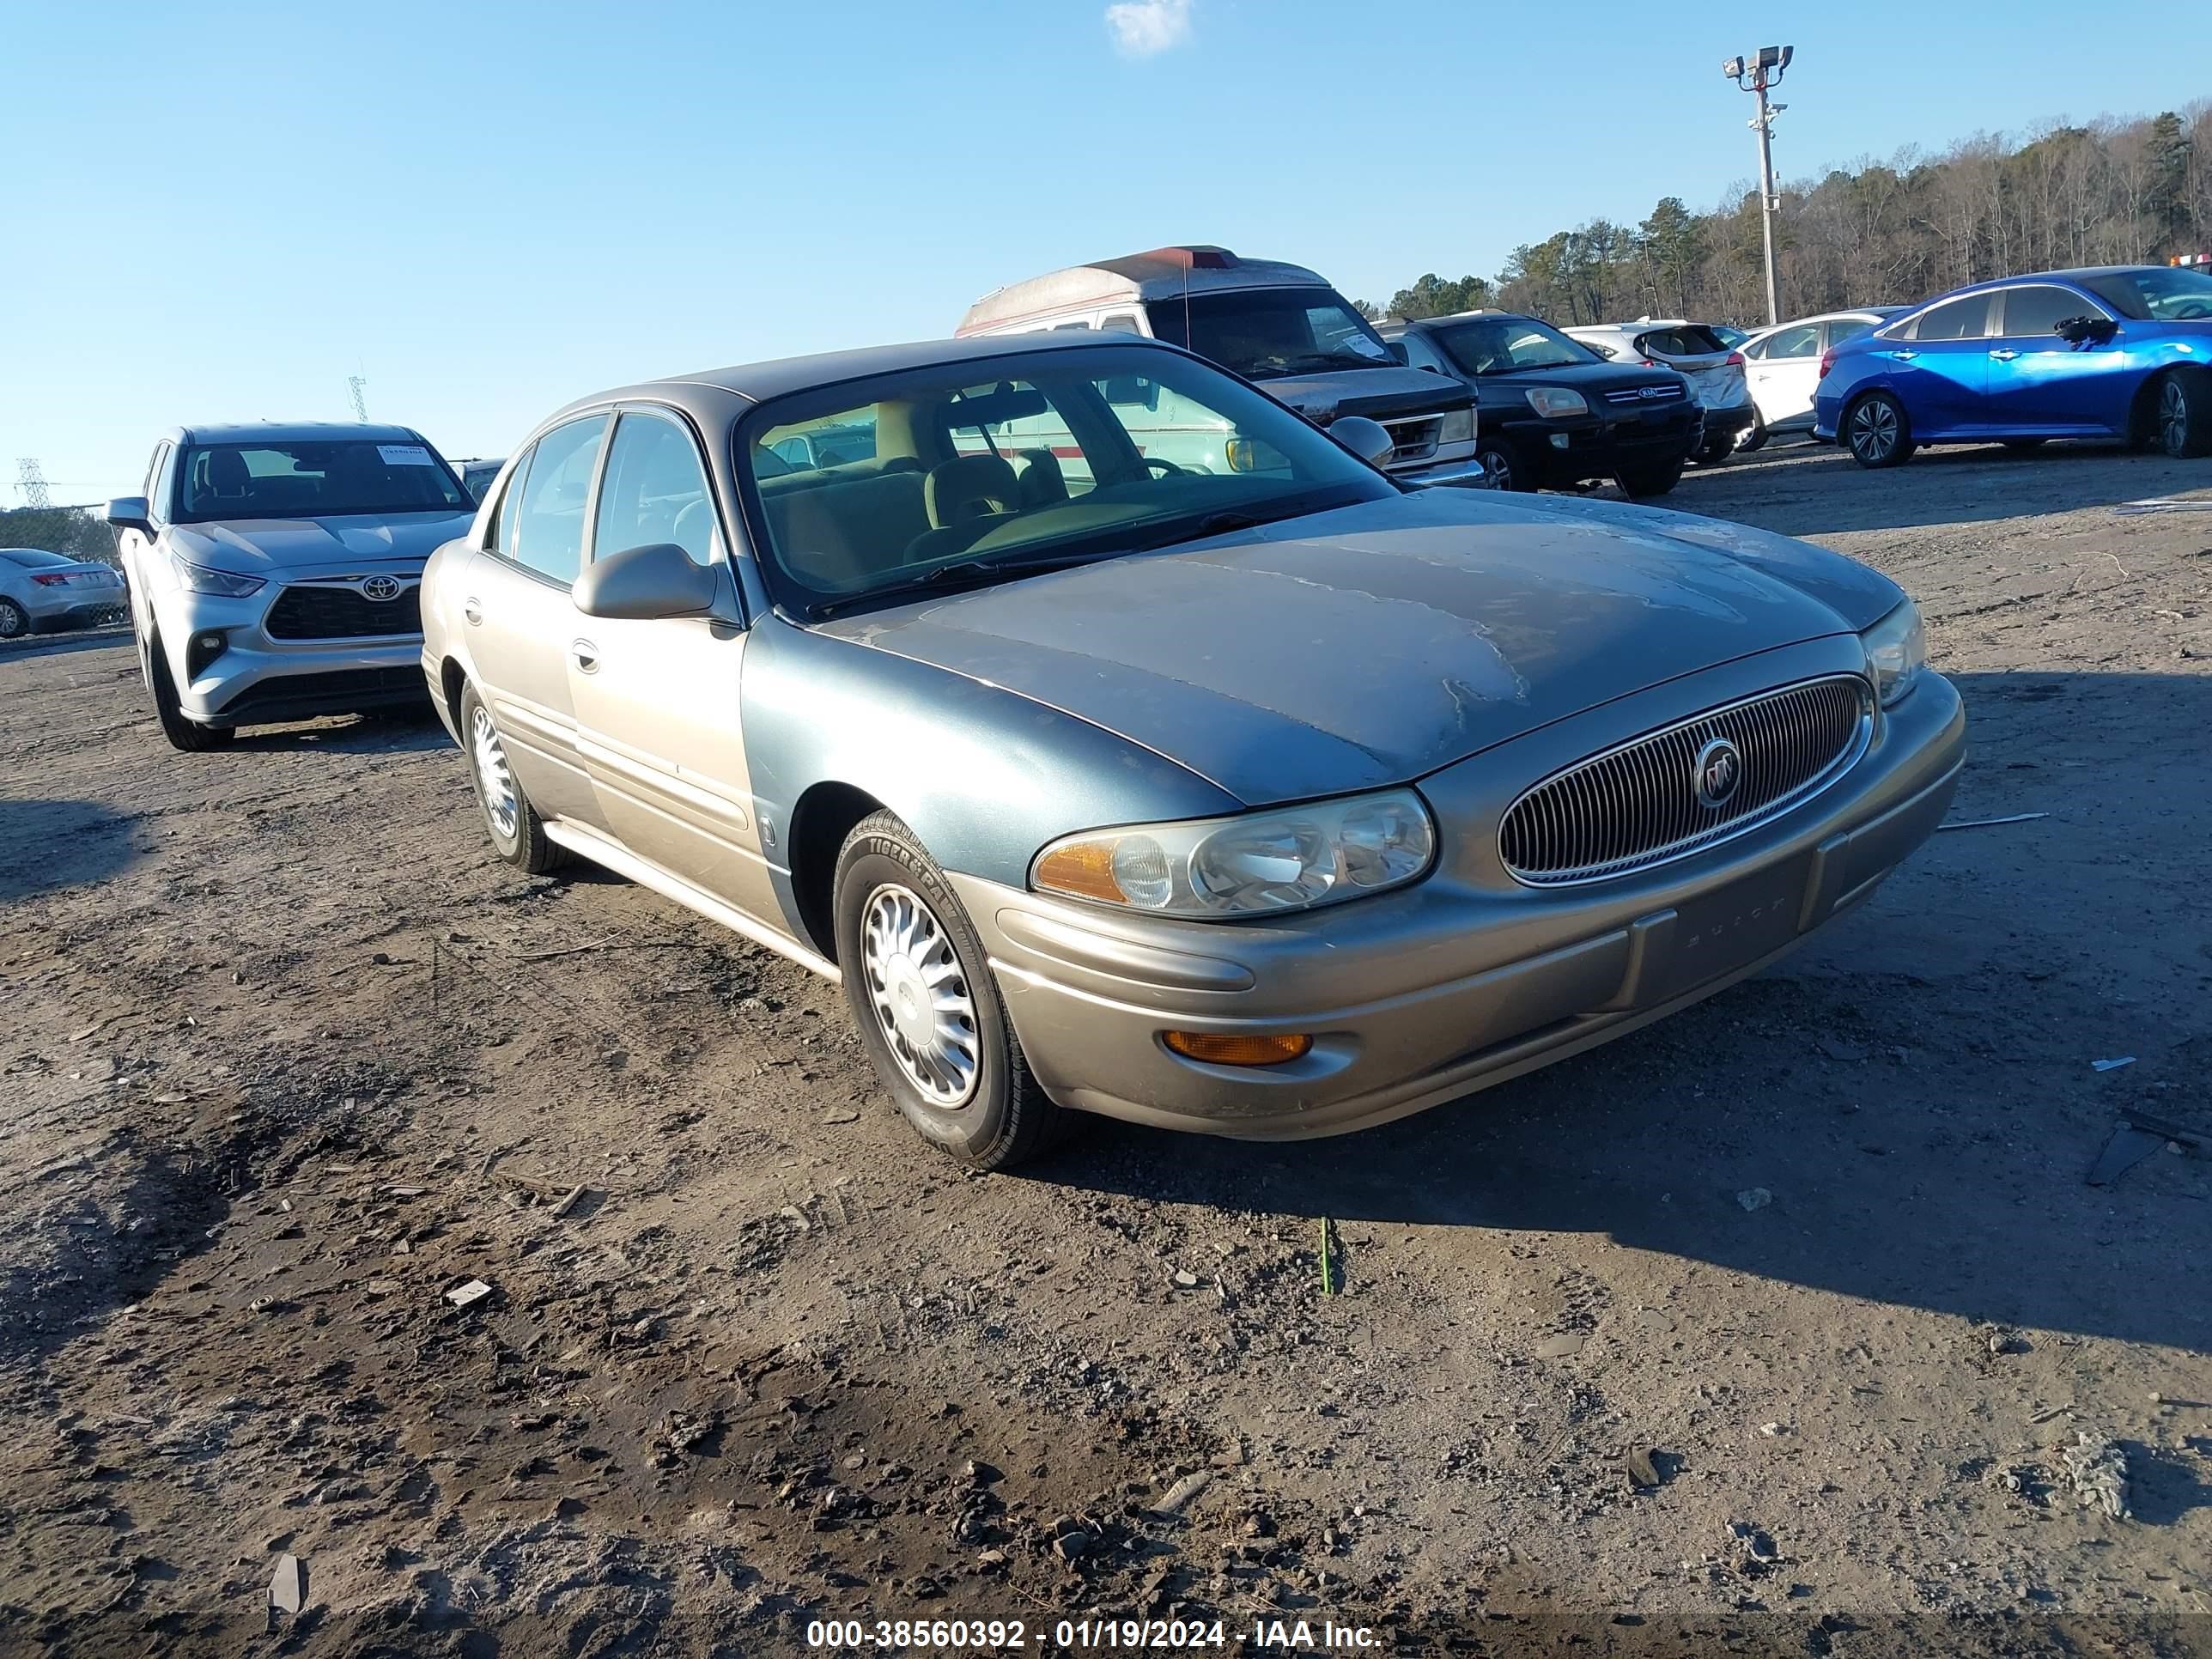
[(1264, 332), (2168, 294), (980, 470), (314, 479), (1501, 345)]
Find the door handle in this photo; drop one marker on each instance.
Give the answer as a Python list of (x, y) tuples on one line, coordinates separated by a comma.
[(2004, 355), (473, 611), (1905, 356), (586, 655)]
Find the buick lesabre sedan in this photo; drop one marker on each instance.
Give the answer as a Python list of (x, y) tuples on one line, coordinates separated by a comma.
[(273, 571), (1271, 802)]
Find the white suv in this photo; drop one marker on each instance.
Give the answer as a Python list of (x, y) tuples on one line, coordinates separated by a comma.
[(1699, 350)]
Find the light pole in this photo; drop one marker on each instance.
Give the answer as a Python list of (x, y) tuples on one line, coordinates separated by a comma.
[(1756, 73)]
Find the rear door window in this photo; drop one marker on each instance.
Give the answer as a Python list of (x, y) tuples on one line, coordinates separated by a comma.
[(549, 512), (1803, 341), (1847, 328), (1955, 319)]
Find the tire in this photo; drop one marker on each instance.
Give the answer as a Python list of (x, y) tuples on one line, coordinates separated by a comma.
[(517, 833), (965, 1086), (1754, 439), (15, 621), (1655, 480), (1714, 450), (1507, 469), (2181, 413), (1875, 430), (183, 732)]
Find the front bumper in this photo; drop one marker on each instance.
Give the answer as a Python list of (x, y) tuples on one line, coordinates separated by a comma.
[(1456, 475), (1566, 453), (259, 678), (1468, 979)]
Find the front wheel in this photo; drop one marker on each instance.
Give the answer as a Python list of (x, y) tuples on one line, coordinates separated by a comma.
[(517, 833), (1504, 463), (1655, 480), (2184, 413), (929, 1014), (184, 732), (1877, 432), (1714, 450), (1755, 438)]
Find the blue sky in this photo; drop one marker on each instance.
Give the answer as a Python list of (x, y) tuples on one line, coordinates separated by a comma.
[(223, 212)]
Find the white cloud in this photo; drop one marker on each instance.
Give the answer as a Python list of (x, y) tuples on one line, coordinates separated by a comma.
[(1142, 28)]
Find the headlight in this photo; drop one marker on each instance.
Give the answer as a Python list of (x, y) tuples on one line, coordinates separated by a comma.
[(1458, 428), (1897, 653), (1256, 863), (201, 580), (1556, 403)]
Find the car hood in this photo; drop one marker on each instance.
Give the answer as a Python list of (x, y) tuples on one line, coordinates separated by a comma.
[(1597, 379), (1377, 643), (254, 547), (1385, 393)]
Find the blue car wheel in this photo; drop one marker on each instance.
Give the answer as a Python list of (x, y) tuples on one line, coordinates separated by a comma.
[(2182, 412), (1876, 431)]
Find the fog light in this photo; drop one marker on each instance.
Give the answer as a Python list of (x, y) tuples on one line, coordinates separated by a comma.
[(202, 649), (1559, 440), (1226, 1049)]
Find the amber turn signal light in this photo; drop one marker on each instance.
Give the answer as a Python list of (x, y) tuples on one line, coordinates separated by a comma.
[(1227, 1048)]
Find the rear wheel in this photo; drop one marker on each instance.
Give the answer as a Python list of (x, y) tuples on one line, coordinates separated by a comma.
[(1876, 431), (517, 833), (183, 732), (1650, 479), (1754, 439), (921, 990), (15, 621), (1507, 469), (2182, 413)]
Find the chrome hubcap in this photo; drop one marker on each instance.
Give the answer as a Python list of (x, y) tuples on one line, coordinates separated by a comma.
[(492, 775), (2172, 418), (11, 622), (1873, 430), (920, 996)]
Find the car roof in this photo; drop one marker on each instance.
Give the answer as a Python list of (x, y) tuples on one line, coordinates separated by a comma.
[(2078, 274), (246, 432), (758, 382), (1157, 274), (1392, 325)]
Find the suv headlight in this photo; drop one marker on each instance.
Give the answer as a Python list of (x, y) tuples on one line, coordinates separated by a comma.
[(201, 580), (1290, 858), (1458, 428), (1556, 403), (1897, 653)]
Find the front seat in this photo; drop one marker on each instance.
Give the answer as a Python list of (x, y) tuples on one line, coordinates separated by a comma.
[(228, 480), (1040, 481), (969, 487)]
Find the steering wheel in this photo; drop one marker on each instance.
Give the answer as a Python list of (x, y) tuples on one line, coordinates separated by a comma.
[(2189, 310), (1166, 468)]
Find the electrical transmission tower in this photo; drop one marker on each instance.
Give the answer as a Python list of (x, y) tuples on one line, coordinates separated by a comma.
[(354, 384), (33, 479)]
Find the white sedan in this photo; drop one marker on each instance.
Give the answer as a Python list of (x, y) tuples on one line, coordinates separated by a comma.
[(1783, 367)]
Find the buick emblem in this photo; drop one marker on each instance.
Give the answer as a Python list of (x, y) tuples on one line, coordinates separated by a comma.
[(1718, 774), (380, 587)]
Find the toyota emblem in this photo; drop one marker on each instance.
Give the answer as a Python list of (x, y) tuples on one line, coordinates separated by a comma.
[(380, 587), (1718, 774)]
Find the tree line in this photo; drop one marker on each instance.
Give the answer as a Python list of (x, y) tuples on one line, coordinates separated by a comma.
[(1893, 232), (70, 531)]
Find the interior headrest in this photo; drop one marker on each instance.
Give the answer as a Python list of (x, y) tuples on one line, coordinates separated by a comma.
[(969, 487), (227, 470)]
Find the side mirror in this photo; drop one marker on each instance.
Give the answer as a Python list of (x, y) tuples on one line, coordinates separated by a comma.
[(644, 584), (2081, 331), (1363, 438), (1397, 351), (130, 513)]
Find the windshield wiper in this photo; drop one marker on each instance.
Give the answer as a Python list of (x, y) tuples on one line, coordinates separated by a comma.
[(959, 571)]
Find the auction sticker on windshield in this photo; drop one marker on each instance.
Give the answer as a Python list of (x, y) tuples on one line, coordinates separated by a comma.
[(404, 455)]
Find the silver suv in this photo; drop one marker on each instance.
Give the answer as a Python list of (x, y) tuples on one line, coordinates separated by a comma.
[(274, 568)]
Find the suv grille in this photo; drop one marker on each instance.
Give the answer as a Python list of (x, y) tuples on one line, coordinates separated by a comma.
[(1646, 394), (1637, 805), (312, 612), (1414, 441)]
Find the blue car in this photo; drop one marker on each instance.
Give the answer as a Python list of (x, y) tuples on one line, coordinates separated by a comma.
[(2120, 352)]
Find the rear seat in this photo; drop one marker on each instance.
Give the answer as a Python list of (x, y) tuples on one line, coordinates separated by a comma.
[(844, 527)]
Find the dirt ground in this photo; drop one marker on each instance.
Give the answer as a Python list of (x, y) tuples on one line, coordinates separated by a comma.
[(288, 1056)]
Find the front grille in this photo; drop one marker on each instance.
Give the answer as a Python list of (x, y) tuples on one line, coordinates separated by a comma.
[(1639, 805), (314, 612), (1647, 394), (1414, 441)]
